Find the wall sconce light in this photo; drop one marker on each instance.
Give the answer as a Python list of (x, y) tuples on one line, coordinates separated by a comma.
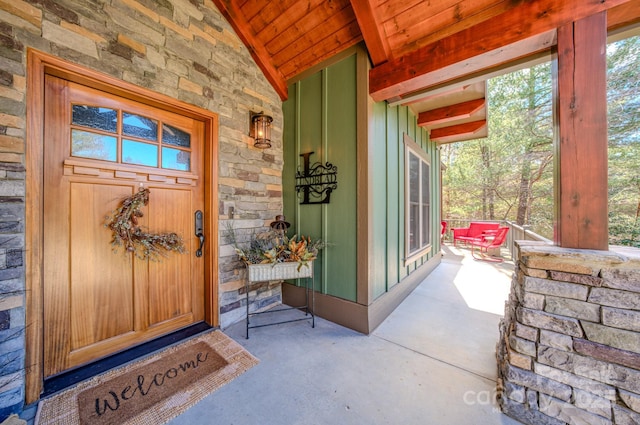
[(260, 129)]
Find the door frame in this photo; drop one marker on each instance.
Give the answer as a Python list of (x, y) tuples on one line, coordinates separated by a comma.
[(38, 65)]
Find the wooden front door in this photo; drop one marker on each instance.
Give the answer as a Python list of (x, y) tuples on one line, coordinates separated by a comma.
[(98, 149)]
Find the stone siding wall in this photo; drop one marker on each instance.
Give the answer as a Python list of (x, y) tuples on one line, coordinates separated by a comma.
[(181, 48), (569, 350)]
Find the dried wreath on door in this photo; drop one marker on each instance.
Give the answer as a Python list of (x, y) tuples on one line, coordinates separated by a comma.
[(127, 233)]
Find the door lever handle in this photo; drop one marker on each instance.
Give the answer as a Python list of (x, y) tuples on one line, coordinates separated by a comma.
[(199, 232), (199, 250)]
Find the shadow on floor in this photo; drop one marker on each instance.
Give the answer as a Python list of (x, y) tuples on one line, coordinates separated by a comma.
[(431, 362)]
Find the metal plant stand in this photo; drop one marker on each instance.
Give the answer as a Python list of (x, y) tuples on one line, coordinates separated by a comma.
[(282, 271)]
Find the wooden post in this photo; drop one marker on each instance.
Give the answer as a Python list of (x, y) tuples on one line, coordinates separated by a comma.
[(581, 135)]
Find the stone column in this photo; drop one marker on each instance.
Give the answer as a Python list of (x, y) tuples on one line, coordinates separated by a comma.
[(569, 348)]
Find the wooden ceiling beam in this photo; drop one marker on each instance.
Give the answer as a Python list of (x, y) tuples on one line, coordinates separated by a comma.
[(450, 112), (455, 132), (481, 67), (423, 97), (372, 31), (427, 24), (527, 26), (470, 79), (623, 15), (234, 16)]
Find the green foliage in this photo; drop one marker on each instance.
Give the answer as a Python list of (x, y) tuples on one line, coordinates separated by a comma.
[(623, 97), (623, 91), (624, 230), (487, 179), (509, 175)]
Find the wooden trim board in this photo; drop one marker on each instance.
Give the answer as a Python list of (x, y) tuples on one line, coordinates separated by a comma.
[(361, 318)]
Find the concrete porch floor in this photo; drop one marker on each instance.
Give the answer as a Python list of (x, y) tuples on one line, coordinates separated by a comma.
[(431, 362)]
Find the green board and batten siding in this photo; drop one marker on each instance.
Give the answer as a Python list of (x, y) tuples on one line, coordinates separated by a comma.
[(321, 116), (388, 153)]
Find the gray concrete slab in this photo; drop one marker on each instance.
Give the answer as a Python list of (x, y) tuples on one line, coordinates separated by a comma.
[(428, 363), (454, 314)]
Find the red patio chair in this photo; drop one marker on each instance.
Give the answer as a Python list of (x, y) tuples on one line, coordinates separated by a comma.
[(487, 243), (443, 230), (474, 232)]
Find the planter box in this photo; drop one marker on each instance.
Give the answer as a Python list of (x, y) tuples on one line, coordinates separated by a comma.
[(278, 271)]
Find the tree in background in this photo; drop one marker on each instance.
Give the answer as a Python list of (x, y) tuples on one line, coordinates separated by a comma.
[(623, 96), (503, 176), (509, 176)]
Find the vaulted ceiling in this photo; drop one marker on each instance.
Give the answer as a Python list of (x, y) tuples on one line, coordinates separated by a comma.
[(428, 54)]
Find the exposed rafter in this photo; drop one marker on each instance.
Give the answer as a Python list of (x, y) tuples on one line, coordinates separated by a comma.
[(450, 113), (419, 49), (623, 15), (422, 97), (258, 51), (454, 133), (524, 30), (372, 31)]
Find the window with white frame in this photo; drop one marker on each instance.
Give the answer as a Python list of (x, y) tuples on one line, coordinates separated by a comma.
[(417, 197)]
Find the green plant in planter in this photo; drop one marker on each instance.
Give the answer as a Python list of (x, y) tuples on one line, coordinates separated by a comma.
[(273, 247)]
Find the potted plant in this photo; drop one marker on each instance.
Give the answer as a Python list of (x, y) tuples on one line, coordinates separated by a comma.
[(272, 255)]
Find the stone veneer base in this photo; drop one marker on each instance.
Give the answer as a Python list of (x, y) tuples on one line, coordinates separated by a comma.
[(569, 348)]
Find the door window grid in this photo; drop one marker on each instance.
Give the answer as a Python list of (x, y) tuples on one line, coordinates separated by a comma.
[(99, 133)]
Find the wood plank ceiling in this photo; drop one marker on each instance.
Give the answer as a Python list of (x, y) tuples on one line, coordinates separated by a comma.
[(432, 55)]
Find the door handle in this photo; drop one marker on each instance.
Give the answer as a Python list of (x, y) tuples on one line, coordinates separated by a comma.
[(199, 250), (199, 232)]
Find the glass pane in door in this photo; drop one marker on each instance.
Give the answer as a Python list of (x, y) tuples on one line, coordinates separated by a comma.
[(139, 153), (95, 117), (86, 144), (175, 136), (175, 159), (139, 126)]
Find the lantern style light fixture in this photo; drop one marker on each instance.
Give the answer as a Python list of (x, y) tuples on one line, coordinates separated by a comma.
[(260, 129)]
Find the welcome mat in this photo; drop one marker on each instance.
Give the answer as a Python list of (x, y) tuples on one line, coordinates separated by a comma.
[(151, 390)]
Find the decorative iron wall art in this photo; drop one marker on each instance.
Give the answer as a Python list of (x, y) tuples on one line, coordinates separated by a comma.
[(316, 181)]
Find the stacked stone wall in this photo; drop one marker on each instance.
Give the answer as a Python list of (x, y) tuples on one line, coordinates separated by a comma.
[(569, 349), (181, 48)]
